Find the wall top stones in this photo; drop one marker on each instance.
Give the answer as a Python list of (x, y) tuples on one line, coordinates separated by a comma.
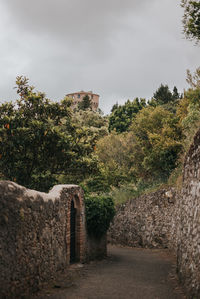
[(22, 193)]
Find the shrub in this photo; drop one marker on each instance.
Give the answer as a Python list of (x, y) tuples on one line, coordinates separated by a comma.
[(96, 184), (99, 213)]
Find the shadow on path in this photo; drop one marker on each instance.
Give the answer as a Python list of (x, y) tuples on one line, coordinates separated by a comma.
[(127, 273)]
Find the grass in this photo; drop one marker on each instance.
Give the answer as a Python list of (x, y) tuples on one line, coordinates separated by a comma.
[(130, 190)]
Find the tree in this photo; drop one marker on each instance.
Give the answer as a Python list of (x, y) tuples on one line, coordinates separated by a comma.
[(115, 157), (163, 95), (114, 107), (158, 138), (175, 94), (122, 115), (38, 140), (193, 79), (189, 114), (191, 19), (85, 103), (93, 122), (189, 105)]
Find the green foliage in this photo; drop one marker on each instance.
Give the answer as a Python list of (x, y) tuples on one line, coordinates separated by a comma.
[(148, 152), (191, 19), (164, 97), (189, 110), (115, 157), (130, 190), (114, 107), (122, 116), (44, 143), (99, 213), (85, 103), (158, 143), (123, 193), (92, 121), (193, 79), (91, 126), (96, 184), (38, 140), (175, 178), (189, 118), (175, 94)]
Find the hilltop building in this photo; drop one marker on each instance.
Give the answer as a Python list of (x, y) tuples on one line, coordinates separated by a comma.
[(78, 97)]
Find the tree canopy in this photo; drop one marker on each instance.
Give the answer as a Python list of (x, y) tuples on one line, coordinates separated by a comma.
[(158, 142), (191, 19), (38, 140), (164, 97), (85, 103), (122, 115)]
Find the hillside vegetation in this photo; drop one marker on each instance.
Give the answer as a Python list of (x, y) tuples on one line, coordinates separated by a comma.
[(139, 146)]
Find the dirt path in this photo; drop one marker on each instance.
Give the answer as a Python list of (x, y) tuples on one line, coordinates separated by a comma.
[(127, 273)]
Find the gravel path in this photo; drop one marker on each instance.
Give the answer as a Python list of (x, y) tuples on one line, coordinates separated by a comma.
[(127, 273)]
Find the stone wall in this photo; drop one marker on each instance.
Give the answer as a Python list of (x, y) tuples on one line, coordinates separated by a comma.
[(147, 221), (168, 218), (35, 235), (188, 254)]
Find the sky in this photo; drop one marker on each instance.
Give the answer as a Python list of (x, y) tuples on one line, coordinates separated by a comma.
[(118, 49)]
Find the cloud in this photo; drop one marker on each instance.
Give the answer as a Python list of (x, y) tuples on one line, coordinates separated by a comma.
[(90, 25), (77, 20), (119, 49)]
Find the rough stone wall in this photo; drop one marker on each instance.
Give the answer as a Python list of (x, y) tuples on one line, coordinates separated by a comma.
[(146, 221), (168, 218), (188, 255), (34, 235)]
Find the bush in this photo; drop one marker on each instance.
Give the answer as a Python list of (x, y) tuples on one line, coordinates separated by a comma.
[(99, 213), (97, 184), (123, 193), (129, 191)]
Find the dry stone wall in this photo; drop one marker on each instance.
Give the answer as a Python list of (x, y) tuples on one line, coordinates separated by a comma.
[(168, 218), (35, 234), (146, 221), (188, 254)]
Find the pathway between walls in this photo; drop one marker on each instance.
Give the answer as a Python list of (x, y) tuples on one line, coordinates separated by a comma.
[(126, 273)]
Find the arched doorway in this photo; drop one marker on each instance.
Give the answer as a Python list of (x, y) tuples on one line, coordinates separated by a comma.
[(72, 233)]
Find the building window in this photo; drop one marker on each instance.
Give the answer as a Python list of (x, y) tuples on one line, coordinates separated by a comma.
[(79, 96)]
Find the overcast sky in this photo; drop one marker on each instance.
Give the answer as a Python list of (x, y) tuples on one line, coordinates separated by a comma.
[(118, 49)]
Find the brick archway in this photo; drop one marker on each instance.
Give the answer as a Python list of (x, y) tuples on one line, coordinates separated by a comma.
[(79, 229)]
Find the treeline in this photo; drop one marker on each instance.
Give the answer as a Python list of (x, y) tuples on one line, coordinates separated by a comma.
[(147, 140), (43, 143), (140, 145)]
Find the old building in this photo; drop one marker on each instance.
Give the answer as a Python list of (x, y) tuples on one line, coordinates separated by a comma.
[(78, 97)]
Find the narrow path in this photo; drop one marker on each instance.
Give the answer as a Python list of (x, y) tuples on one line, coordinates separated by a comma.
[(127, 273)]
